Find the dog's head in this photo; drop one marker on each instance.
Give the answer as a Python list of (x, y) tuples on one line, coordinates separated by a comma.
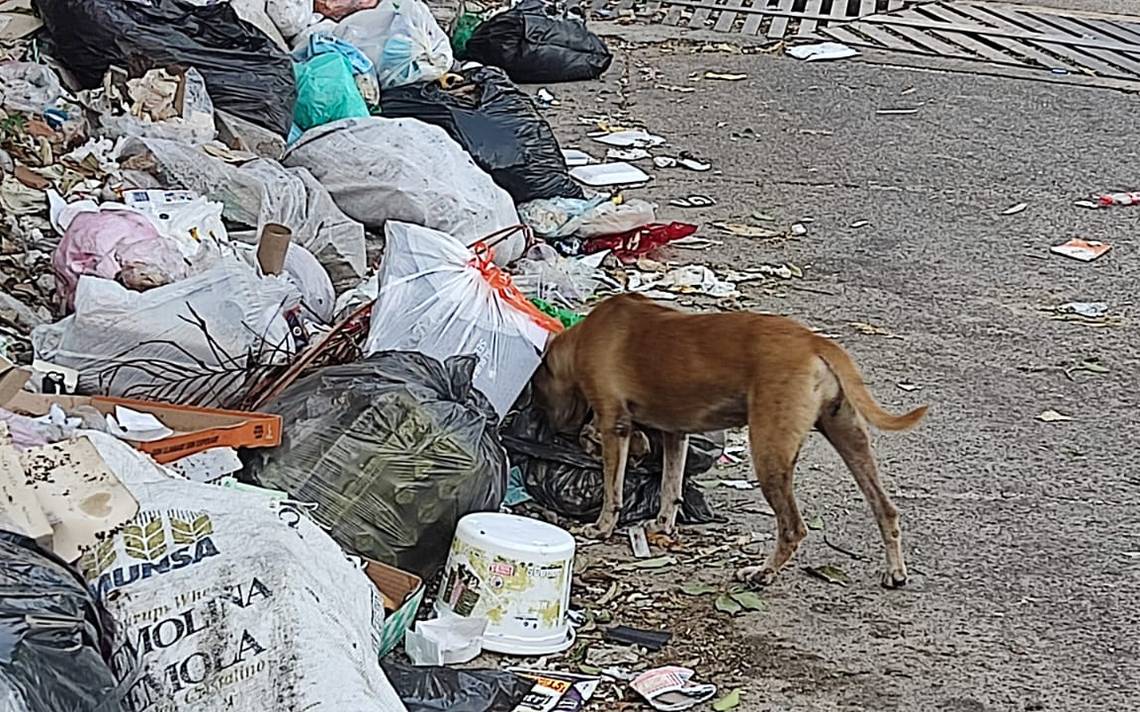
[(556, 391)]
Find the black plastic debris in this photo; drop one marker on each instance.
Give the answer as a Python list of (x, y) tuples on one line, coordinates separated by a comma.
[(55, 637), (538, 41), (394, 449), (246, 73), (499, 126), (442, 689), (561, 477)]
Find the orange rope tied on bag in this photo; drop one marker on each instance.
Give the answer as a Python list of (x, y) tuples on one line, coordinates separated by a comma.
[(501, 282)]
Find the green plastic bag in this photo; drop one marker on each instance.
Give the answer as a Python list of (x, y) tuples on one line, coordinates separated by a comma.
[(326, 91)]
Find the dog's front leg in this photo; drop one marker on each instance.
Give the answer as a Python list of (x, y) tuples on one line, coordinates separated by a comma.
[(676, 446), (615, 453)]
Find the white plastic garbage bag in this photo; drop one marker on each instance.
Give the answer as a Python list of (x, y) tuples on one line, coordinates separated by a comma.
[(232, 600), (437, 298), (290, 16), (261, 191), (380, 169), (198, 341), (402, 39)]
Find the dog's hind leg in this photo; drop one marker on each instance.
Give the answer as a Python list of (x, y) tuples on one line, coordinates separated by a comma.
[(676, 447), (847, 432), (775, 437), (616, 431)]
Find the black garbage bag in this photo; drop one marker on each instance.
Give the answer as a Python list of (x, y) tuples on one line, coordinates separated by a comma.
[(566, 480), (538, 41), (393, 449), (246, 73), (55, 637), (499, 126), (443, 689)]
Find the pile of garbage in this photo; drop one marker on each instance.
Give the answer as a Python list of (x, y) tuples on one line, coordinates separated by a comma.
[(274, 279)]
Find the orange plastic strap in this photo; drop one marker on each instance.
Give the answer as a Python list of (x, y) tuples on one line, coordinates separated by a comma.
[(501, 282)]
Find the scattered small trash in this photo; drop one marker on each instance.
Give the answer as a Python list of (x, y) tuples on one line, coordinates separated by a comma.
[(1015, 209), (829, 573), (799, 230), (897, 112), (725, 76), (1052, 416), (822, 51), (860, 223), (658, 562), (815, 522), (652, 640), (908, 387), (1086, 204), (628, 154), (601, 175), (1110, 199), (547, 98), (665, 161), (698, 589), (745, 230), (1083, 250), (872, 330), (738, 484), (671, 689), (638, 543), (445, 641), (575, 158), (693, 201), (1089, 310), (633, 138)]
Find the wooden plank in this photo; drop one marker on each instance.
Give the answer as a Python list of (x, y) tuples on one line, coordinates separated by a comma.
[(889, 40), (840, 34), (981, 49), (701, 15), (1130, 67), (813, 7), (1115, 30), (953, 14), (780, 23), (1084, 58), (727, 18), (752, 24), (929, 40), (1023, 35)]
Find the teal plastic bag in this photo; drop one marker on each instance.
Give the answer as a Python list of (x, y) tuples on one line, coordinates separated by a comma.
[(326, 91)]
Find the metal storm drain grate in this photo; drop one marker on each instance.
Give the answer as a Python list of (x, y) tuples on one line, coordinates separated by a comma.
[(1097, 46), (772, 19)]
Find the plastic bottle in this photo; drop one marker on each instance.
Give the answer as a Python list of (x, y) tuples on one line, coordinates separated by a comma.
[(1118, 199)]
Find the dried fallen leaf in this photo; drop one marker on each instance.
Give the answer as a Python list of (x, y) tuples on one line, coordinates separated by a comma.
[(829, 573), (749, 601), (726, 604), (1015, 209), (696, 588), (815, 523), (728, 702), (1052, 416), (658, 562)]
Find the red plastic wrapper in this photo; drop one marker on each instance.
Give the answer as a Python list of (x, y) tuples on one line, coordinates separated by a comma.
[(340, 9), (628, 246)]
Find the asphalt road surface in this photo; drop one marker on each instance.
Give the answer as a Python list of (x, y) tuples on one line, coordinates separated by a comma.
[(1023, 535)]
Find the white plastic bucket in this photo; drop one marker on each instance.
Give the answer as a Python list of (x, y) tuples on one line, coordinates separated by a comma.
[(516, 573)]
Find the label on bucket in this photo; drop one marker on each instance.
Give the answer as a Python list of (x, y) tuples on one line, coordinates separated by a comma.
[(518, 598)]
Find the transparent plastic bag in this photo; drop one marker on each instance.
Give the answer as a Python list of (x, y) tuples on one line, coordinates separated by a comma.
[(547, 275), (195, 125), (200, 341), (394, 450), (402, 39), (435, 299), (380, 169), (25, 86)]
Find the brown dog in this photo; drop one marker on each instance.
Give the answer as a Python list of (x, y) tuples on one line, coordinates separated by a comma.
[(635, 361)]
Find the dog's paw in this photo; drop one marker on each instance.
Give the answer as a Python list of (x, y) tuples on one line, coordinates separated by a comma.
[(593, 531), (894, 578), (756, 575), (660, 529)]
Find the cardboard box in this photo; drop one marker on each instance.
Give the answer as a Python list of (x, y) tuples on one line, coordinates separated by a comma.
[(195, 429), (402, 593)]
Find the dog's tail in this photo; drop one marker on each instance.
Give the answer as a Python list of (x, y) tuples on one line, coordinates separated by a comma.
[(851, 381)]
